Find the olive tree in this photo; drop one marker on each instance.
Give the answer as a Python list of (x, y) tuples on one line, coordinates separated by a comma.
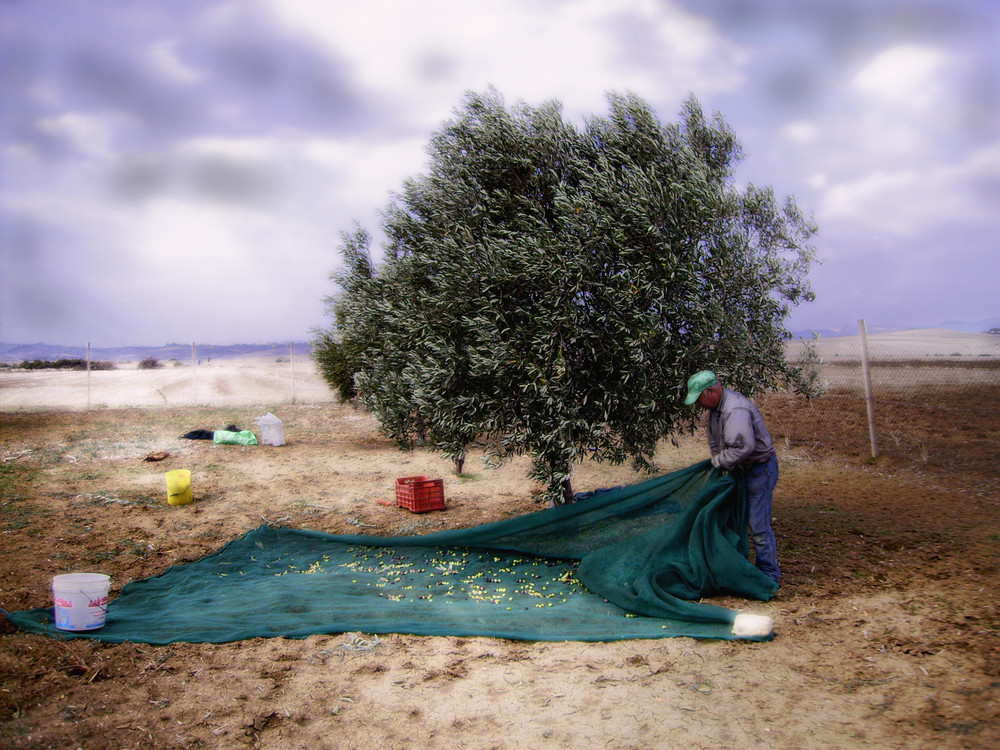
[(548, 289)]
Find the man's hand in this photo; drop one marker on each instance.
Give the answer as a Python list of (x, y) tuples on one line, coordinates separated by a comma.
[(715, 461)]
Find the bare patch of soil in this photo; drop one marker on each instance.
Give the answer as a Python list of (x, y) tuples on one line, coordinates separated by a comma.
[(886, 623)]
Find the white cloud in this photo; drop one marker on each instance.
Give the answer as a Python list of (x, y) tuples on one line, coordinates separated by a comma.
[(803, 132), (819, 180), (233, 148), (91, 134), (434, 51), (204, 272), (165, 59), (902, 110), (866, 198), (191, 241), (909, 202), (365, 173), (905, 75)]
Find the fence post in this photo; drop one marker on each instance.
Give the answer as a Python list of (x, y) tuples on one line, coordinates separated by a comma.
[(88, 376), (291, 357), (869, 400)]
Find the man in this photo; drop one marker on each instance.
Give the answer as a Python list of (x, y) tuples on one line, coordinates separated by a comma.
[(738, 439)]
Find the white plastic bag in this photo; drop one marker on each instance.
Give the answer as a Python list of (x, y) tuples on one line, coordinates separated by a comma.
[(272, 432)]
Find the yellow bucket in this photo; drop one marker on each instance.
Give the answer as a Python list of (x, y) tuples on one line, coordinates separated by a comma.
[(179, 487)]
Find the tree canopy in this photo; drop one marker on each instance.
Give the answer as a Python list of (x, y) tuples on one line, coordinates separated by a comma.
[(548, 289)]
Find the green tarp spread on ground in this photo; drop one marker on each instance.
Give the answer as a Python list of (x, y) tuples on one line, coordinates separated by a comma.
[(630, 562)]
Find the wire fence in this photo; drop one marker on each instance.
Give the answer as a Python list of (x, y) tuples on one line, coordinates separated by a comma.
[(925, 395), (902, 361), (912, 393)]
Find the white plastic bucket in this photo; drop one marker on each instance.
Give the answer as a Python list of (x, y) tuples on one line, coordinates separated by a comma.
[(81, 600)]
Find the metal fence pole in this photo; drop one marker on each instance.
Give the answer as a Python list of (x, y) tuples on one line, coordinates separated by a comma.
[(869, 400), (291, 357), (88, 376)]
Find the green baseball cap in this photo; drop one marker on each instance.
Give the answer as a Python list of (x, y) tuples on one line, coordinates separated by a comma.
[(697, 383)]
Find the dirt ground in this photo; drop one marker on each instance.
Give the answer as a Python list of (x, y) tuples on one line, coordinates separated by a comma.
[(886, 623)]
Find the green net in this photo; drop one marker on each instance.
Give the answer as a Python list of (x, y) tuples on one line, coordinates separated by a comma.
[(623, 563)]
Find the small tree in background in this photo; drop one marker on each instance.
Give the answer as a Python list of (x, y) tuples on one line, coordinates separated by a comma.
[(550, 289), (805, 376)]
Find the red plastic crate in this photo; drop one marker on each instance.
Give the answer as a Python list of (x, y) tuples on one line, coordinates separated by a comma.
[(420, 494)]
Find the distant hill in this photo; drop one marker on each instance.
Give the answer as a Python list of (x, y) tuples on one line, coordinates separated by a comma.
[(981, 326), (14, 353), (912, 343)]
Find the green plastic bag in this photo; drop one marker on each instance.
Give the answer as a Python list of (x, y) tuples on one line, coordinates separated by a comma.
[(225, 437)]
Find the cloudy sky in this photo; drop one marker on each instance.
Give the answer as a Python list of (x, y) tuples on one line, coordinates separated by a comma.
[(180, 170)]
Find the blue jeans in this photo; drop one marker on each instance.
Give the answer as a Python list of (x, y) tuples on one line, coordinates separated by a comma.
[(760, 481)]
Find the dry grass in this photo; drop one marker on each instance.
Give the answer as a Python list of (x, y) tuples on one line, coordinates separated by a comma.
[(886, 625)]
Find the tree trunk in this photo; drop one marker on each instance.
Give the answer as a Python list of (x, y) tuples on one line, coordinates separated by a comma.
[(420, 427), (568, 496), (459, 463)]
